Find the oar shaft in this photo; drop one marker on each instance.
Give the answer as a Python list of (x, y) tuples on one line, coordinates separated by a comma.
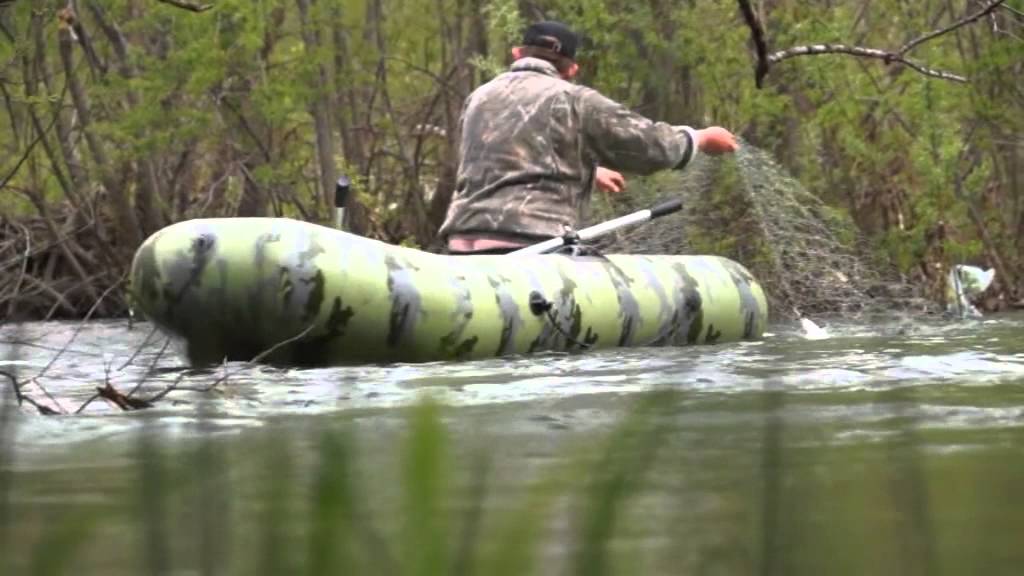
[(598, 230)]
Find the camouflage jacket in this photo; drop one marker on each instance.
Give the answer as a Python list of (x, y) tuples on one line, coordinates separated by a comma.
[(530, 144)]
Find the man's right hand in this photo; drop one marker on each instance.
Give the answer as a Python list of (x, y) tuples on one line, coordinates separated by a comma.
[(609, 180), (716, 140)]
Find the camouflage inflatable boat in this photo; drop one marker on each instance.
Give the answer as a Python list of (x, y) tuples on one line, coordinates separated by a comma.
[(290, 292)]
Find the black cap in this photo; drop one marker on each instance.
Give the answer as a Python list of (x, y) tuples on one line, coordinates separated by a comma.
[(552, 35)]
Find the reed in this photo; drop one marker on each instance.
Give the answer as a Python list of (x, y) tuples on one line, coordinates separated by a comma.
[(774, 497)]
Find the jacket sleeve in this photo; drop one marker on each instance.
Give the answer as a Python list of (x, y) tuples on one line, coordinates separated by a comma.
[(621, 139)]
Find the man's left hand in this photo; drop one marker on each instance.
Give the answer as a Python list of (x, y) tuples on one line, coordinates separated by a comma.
[(609, 180)]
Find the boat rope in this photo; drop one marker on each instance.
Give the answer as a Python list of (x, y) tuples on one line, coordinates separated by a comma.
[(540, 305)]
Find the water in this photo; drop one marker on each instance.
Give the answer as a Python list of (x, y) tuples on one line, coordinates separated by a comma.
[(889, 448)]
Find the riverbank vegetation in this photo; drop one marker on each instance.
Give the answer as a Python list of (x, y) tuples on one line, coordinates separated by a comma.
[(118, 118)]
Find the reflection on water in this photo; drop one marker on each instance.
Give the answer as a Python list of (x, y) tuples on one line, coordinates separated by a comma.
[(888, 448)]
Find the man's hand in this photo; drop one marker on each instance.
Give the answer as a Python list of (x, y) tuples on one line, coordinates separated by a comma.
[(716, 140), (609, 180)]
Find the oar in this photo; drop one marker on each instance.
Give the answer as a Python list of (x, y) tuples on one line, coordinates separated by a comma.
[(598, 230), (341, 188)]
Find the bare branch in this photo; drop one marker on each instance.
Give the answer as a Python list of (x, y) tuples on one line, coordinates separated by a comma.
[(28, 151), (959, 23), (24, 268), (758, 36), (858, 51), (186, 5)]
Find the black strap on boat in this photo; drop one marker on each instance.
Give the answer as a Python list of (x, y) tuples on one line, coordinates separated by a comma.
[(541, 305)]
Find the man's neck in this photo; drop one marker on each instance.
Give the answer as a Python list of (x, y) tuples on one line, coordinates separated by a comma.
[(535, 65)]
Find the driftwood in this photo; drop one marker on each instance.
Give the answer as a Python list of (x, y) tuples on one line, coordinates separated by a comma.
[(130, 401)]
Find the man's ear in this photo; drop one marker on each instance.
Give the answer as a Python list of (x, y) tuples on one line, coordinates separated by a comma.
[(572, 71), (517, 52)]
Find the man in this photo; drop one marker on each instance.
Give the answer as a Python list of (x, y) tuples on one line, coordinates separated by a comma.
[(533, 145)]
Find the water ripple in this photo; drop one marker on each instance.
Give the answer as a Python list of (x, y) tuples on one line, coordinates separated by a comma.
[(953, 364)]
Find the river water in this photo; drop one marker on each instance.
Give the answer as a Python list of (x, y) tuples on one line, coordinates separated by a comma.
[(892, 447)]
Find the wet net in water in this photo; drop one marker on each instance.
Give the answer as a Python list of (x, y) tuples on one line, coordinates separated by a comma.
[(810, 257)]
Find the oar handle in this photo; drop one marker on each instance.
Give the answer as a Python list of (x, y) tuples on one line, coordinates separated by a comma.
[(666, 207), (341, 190)]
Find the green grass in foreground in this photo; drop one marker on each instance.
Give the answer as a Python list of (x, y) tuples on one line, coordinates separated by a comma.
[(773, 497), (337, 532)]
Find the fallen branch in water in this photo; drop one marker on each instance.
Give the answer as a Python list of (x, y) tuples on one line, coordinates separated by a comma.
[(37, 384), (130, 402), (142, 347), (175, 386), (80, 326), (126, 403), (14, 385), (22, 399)]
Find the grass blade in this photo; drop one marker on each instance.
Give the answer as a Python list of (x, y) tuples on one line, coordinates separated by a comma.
[(616, 476), (331, 550), (425, 530)]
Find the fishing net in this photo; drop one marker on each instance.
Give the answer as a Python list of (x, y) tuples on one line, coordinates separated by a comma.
[(810, 258)]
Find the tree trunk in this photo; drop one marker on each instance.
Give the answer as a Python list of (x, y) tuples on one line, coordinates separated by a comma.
[(127, 227), (147, 201), (348, 114), (319, 108)]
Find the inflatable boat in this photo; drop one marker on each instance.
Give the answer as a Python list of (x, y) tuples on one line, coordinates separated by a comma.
[(289, 292)]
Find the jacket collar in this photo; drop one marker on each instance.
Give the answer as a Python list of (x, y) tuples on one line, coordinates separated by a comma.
[(535, 65)]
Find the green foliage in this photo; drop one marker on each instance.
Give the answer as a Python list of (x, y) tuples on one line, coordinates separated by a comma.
[(238, 85)]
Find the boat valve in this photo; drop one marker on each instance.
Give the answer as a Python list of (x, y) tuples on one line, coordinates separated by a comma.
[(539, 304)]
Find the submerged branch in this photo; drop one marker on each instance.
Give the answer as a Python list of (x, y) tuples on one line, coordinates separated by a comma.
[(80, 326), (21, 398), (209, 388), (122, 401), (14, 385)]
